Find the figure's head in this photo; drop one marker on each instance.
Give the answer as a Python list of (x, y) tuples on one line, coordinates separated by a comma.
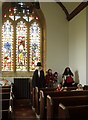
[(49, 71), (79, 86), (55, 74), (39, 65), (68, 71)]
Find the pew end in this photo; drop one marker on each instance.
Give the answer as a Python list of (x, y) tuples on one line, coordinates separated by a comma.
[(37, 99), (41, 105), (62, 112), (49, 108), (33, 98)]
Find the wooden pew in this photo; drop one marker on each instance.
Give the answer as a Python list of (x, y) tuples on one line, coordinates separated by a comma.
[(8, 86), (5, 95), (71, 88), (4, 114), (78, 112), (37, 98), (53, 103), (5, 108), (85, 87), (6, 102), (33, 98), (43, 96), (4, 90)]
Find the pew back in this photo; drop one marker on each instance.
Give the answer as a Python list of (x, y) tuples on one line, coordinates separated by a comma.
[(5, 90), (53, 103), (72, 112), (5, 102), (5, 95), (43, 96)]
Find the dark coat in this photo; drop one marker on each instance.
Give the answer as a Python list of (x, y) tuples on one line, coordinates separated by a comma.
[(38, 81)]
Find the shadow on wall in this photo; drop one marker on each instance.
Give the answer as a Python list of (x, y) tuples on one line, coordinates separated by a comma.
[(76, 76)]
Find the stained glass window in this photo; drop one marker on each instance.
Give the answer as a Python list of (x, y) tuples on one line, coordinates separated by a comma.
[(21, 46), (7, 46), (34, 45), (21, 40)]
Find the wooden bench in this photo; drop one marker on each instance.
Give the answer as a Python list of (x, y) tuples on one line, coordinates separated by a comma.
[(5, 108), (43, 96), (78, 112), (53, 103), (6, 102), (4, 115), (36, 98), (71, 88), (85, 87), (33, 98), (4, 90), (8, 86), (5, 95)]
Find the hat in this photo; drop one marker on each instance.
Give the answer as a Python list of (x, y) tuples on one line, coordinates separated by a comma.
[(39, 64)]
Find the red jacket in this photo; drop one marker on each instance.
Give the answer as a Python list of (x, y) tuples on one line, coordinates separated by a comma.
[(48, 78)]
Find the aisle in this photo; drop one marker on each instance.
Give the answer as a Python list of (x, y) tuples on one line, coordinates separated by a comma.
[(23, 110)]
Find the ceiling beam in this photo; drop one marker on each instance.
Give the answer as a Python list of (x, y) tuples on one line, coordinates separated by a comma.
[(77, 10), (64, 8)]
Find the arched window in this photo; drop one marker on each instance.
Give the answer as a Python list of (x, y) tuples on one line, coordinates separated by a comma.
[(22, 38), (7, 46)]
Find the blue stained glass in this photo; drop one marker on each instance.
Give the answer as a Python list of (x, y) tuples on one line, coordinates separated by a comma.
[(7, 45)]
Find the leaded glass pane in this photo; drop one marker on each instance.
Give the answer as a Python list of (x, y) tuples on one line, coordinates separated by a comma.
[(17, 17), (25, 17), (21, 46), (7, 46), (12, 17), (34, 45), (31, 18)]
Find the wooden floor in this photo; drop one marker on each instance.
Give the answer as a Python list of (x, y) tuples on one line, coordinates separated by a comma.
[(23, 110)]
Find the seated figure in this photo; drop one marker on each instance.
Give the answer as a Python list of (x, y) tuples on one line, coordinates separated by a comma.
[(56, 79), (79, 87), (49, 78), (67, 77), (59, 87)]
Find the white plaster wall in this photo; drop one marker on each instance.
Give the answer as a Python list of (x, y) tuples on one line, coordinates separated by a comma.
[(56, 36), (77, 46), (87, 45)]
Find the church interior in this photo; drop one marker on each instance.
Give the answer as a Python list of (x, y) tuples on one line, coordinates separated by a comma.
[(41, 41)]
